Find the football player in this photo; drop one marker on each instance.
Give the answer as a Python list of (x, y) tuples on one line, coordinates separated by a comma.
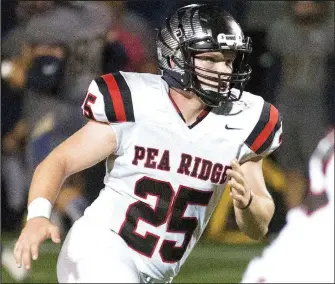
[(303, 252), (172, 142)]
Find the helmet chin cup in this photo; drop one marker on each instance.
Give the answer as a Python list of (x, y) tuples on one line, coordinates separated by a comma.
[(215, 99)]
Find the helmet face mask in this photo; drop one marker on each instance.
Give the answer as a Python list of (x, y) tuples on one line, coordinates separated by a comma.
[(196, 29)]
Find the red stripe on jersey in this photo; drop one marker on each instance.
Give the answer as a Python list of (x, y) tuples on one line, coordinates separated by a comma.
[(265, 133), (204, 113), (116, 97)]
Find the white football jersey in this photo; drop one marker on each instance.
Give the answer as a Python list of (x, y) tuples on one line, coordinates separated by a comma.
[(164, 180), (303, 252), (319, 202), (317, 208)]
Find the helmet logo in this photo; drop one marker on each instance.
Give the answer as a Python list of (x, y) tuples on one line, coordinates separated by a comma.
[(230, 40)]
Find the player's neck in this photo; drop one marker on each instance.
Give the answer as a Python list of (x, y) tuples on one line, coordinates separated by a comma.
[(189, 105)]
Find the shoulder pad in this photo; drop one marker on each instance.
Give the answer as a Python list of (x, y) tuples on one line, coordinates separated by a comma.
[(109, 99)]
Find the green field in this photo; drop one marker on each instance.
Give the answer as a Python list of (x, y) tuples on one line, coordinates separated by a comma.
[(210, 262)]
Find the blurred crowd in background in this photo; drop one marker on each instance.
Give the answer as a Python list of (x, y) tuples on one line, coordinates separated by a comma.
[(51, 50)]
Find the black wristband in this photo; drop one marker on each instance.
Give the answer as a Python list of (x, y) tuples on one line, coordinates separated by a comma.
[(250, 200)]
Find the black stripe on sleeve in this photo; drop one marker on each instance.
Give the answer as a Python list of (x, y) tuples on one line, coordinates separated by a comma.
[(263, 120), (109, 108), (269, 141), (126, 96)]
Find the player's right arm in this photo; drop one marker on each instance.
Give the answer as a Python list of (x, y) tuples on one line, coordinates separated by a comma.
[(108, 100), (85, 148)]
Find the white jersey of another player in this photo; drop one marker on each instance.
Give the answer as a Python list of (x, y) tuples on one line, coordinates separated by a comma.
[(165, 178), (319, 201), (304, 250)]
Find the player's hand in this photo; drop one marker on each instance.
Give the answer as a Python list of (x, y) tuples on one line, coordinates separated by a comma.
[(239, 190), (34, 233)]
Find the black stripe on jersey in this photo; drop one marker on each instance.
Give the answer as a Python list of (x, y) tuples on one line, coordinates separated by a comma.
[(263, 120), (109, 108), (268, 142), (126, 96)]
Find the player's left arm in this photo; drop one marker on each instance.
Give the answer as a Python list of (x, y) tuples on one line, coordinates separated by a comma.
[(253, 204)]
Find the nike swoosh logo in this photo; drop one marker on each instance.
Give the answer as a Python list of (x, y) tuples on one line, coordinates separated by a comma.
[(232, 128)]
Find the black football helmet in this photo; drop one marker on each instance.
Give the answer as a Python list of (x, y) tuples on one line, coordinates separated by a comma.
[(201, 28)]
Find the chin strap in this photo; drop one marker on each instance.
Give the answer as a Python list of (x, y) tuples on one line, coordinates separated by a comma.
[(174, 79)]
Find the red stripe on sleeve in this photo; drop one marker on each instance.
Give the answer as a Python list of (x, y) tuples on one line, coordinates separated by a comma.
[(265, 133), (116, 97)]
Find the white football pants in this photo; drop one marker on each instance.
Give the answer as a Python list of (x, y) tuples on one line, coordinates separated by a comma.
[(93, 255)]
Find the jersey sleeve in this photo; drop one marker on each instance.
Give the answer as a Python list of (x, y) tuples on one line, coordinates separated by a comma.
[(266, 135), (109, 100)]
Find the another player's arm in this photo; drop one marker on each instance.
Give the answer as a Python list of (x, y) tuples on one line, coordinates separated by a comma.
[(91, 144), (247, 184)]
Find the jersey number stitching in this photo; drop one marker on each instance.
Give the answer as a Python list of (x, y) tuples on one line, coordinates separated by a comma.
[(87, 107), (168, 210)]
